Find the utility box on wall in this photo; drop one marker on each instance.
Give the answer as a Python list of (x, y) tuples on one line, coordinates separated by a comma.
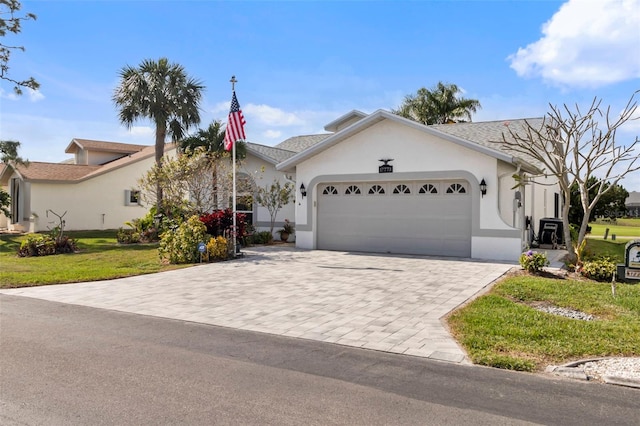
[(548, 227)]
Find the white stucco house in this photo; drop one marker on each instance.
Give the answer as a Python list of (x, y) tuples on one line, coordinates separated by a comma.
[(382, 183), (373, 183)]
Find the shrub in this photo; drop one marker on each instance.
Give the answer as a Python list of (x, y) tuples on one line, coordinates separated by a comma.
[(533, 262), (600, 269), (127, 236), (181, 245), (220, 222), (217, 248), (37, 245), (262, 237), (46, 245), (65, 244)]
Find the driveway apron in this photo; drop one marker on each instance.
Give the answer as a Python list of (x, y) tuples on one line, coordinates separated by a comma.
[(388, 303)]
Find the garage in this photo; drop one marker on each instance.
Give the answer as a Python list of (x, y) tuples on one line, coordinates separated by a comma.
[(431, 217)]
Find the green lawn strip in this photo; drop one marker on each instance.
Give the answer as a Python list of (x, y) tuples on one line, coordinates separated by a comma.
[(501, 330), (622, 227), (100, 258)]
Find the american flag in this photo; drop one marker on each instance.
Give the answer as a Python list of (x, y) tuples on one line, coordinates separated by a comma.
[(235, 125)]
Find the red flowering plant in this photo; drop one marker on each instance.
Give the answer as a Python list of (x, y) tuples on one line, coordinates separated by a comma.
[(220, 222)]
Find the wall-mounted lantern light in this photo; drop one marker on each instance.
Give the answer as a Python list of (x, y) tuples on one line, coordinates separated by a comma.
[(303, 190), (483, 187)]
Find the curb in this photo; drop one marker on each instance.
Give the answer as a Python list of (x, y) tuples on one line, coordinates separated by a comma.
[(573, 370)]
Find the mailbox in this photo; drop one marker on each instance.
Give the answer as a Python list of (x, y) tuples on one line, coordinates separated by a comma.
[(632, 260)]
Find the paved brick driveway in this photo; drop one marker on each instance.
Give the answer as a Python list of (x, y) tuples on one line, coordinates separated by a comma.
[(381, 302)]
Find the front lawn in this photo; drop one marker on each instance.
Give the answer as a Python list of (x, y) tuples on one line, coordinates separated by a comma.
[(504, 329), (612, 249), (100, 258)]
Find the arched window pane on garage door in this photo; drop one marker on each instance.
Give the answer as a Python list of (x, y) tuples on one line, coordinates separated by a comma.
[(428, 189), (376, 190), (401, 189), (352, 190), (456, 188), (329, 190)]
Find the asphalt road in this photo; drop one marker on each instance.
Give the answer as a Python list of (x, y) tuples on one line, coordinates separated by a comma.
[(74, 365)]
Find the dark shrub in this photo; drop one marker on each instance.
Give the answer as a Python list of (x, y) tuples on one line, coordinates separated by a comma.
[(46, 245), (220, 222)]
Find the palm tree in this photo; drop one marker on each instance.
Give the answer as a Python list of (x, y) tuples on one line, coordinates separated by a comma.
[(163, 93), (439, 105), (212, 140)]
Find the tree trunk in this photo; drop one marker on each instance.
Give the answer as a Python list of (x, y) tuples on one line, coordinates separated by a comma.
[(161, 133)]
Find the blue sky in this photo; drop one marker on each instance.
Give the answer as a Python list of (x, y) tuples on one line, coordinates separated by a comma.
[(301, 64)]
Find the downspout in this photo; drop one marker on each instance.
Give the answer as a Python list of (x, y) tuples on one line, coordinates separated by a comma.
[(524, 238), (513, 218)]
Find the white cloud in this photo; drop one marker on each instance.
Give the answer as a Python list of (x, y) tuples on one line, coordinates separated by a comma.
[(32, 95), (141, 131), (221, 107), (8, 95), (585, 44), (272, 116), (35, 95), (272, 134)]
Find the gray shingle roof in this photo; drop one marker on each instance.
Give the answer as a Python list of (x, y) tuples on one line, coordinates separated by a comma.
[(270, 153), (633, 198), (300, 143), (489, 133)]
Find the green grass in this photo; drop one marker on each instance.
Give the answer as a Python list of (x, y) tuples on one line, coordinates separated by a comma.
[(502, 330), (622, 227), (612, 249), (100, 258)]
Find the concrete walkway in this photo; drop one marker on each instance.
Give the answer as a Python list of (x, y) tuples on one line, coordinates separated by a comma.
[(381, 302)]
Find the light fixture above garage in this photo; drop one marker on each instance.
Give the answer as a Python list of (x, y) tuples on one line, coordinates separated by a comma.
[(483, 187), (303, 190)]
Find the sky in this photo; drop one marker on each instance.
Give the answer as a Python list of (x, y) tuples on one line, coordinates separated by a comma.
[(302, 64)]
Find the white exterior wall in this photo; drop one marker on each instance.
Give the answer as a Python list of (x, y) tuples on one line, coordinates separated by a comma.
[(97, 203), (413, 151), (97, 157), (263, 173), (496, 248)]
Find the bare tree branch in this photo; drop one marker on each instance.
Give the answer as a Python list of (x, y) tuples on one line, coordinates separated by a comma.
[(574, 146)]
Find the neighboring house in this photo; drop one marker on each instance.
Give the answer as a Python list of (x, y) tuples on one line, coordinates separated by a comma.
[(98, 188), (382, 183), (632, 203)]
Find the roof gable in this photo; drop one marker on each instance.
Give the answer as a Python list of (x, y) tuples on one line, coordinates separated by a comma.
[(102, 146), (380, 115), (344, 121)]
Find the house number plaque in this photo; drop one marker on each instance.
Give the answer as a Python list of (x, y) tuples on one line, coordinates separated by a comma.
[(386, 167)]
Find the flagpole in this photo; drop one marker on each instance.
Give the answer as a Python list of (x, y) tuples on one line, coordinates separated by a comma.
[(233, 150)]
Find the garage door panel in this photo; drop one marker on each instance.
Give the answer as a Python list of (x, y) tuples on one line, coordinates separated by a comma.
[(433, 224)]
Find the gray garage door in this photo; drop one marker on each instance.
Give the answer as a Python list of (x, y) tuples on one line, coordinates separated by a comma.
[(417, 217)]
